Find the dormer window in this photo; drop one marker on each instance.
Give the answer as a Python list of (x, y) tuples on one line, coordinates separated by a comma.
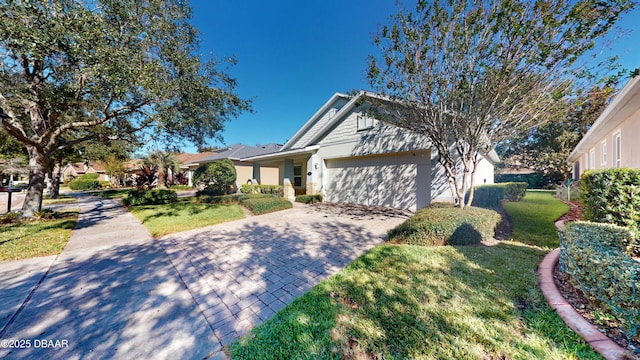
[(364, 122)]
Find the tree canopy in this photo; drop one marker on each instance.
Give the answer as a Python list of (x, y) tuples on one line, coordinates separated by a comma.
[(470, 74), (90, 70)]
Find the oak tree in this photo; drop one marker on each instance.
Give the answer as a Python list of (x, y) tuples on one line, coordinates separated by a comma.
[(73, 71)]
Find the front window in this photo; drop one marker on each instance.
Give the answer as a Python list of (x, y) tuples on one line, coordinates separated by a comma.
[(604, 153), (592, 159), (617, 148), (297, 175)]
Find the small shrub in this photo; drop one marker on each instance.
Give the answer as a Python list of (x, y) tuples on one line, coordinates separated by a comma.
[(309, 199), (45, 214), (84, 184), (594, 257), (490, 196), (150, 197), (435, 226), (10, 218), (217, 178), (612, 196)]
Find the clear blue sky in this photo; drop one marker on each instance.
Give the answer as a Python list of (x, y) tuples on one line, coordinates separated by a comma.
[(293, 55)]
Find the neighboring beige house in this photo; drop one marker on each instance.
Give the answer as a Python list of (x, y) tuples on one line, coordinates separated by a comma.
[(347, 156), (75, 170), (613, 141), (244, 169)]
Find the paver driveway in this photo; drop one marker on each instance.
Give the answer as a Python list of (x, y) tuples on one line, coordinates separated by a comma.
[(188, 294), (241, 273)]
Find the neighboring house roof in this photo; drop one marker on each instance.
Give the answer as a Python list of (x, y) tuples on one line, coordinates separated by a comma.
[(621, 108), (239, 151), (186, 158), (97, 167)]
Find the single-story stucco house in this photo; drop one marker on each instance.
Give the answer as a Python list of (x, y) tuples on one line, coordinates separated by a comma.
[(348, 156), (244, 169), (75, 170), (610, 143)]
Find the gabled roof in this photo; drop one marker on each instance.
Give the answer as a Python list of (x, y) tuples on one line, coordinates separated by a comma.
[(318, 124), (315, 123), (621, 108)]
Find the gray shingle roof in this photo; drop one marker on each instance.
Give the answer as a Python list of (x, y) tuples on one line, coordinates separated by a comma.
[(240, 151)]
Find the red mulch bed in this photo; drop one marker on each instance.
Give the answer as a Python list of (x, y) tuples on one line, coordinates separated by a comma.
[(582, 304)]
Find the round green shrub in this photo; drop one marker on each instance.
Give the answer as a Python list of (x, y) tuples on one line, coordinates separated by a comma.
[(215, 178), (436, 226)]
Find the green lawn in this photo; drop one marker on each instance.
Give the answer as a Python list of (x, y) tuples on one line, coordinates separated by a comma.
[(412, 302), (62, 199), (184, 215), (31, 238)]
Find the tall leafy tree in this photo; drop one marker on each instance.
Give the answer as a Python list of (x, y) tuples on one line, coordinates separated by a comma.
[(546, 148), (89, 70), (470, 74)]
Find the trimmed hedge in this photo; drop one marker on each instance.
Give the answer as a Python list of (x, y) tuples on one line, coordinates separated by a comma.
[(256, 203), (594, 257), (533, 180), (262, 189), (435, 226), (150, 197), (81, 184), (266, 204), (89, 176), (612, 196), (490, 196), (309, 199)]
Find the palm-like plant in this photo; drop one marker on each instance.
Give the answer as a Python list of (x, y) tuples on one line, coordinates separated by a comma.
[(165, 162)]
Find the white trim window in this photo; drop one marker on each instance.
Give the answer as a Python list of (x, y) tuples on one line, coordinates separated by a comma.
[(592, 159), (617, 149), (603, 153), (364, 122)]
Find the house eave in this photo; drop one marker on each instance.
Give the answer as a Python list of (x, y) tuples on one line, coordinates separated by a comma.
[(623, 105), (283, 154)]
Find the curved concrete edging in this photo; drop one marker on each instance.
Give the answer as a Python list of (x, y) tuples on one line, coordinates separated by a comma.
[(597, 340)]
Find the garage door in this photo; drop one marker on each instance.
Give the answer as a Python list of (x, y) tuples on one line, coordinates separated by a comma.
[(398, 181)]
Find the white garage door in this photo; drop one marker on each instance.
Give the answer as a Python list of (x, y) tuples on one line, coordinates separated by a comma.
[(400, 181)]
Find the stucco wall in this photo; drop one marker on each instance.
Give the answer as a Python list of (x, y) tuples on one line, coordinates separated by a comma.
[(629, 131)]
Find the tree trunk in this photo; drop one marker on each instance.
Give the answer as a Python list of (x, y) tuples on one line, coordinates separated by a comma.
[(56, 174), (37, 173)]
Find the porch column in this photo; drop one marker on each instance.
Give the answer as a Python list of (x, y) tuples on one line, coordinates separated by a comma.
[(190, 177), (287, 185), (256, 172), (313, 174)]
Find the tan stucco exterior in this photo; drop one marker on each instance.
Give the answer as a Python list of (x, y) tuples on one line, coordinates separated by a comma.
[(614, 139)]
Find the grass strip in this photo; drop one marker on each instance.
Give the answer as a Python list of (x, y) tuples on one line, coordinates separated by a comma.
[(186, 214), (29, 238)]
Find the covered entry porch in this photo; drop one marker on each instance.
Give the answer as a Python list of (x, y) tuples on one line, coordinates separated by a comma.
[(299, 171)]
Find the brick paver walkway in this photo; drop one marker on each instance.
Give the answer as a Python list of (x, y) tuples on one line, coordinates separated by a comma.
[(241, 273)]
